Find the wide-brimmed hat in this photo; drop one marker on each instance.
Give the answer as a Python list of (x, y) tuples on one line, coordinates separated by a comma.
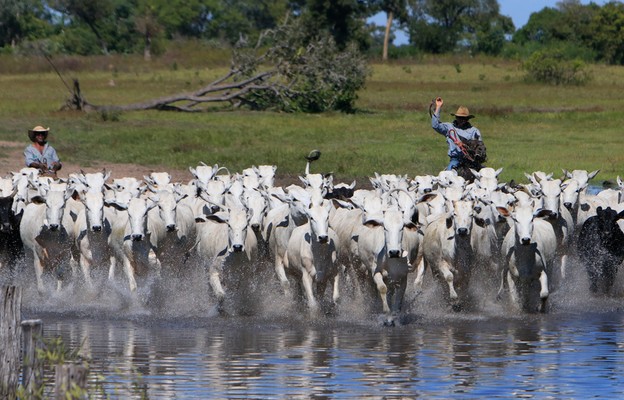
[(32, 133), (463, 112)]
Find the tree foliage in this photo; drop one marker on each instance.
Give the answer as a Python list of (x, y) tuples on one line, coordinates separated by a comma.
[(22, 20), (607, 27), (440, 26), (285, 71), (551, 67), (87, 27)]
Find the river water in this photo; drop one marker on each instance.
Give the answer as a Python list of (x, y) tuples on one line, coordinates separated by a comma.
[(168, 342)]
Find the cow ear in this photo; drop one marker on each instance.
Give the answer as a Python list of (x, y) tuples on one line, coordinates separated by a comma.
[(427, 197), (37, 200), (342, 204), (449, 222), (116, 205), (411, 227), (541, 213), (620, 215), (503, 211), (220, 217), (480, 222)]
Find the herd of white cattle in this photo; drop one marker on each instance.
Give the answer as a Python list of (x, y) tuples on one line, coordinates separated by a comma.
[(315, 236)]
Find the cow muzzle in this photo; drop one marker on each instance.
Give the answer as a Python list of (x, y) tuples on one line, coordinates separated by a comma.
[(96, 228), (237, 248), (323, 239), (171, 228), (394, 253), (462, 231), (136, 237), (525, 241)]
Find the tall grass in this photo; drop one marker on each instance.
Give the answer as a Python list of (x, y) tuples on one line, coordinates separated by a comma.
[(526, 127)]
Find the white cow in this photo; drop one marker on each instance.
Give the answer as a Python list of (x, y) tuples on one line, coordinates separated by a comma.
[(279, 225), (529, 250), (159, 181), (204, 173), (92, 231), (560, 219), (311, 254), (487, 178), (130, 239), (384, 261), (447, 250), (229, 250), (46, 242), (173, 231)]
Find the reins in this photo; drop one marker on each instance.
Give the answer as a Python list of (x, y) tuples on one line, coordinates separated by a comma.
[(455, 138)]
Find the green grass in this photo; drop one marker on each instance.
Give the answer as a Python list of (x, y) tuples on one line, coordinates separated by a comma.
[(526, 127)]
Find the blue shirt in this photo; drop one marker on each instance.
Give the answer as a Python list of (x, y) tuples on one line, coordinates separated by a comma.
[(49, 156), (444, 128)]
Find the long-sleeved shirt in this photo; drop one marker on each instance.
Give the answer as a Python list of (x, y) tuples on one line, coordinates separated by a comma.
[(49, 156), (444, 128)]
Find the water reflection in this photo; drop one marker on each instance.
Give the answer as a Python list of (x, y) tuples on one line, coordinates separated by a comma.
[(572, 355)]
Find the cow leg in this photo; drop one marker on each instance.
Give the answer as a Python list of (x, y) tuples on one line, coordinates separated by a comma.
[(513, 293), (543, 279), (38, 272), (281, 274), (397, 295), (85, 266), (306, 281), (501, 288), (448, 277), (215, 284), (420, 273), (382, 289), (336, 289), (564, 261), (130, 275), (111, 268)]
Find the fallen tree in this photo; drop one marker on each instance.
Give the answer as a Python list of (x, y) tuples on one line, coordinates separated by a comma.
[(283, 71)]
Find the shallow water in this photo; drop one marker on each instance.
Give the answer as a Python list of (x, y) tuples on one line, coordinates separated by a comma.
[(569, 356), (167, 341)]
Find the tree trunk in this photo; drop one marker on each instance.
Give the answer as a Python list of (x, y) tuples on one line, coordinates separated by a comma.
[(147, 51), (384, 57)]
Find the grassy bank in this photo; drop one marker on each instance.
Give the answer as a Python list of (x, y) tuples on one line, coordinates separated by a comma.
[(526, 127)]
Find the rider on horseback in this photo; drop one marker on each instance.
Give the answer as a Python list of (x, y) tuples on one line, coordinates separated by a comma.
[(461, 136)]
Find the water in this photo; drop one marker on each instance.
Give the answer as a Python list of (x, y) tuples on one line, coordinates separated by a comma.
[(179, 347)]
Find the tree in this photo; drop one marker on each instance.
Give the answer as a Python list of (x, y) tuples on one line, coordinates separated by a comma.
[(23, 20), (438, 26), (394, 9), (485, 28), (608, 33), (342, 19), (284, 71), (92, 13)]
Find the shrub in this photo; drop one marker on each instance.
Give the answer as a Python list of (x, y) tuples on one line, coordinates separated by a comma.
[(552, 68)]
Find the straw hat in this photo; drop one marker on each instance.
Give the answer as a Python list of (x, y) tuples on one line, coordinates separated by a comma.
[(32, 133), (463, 112)]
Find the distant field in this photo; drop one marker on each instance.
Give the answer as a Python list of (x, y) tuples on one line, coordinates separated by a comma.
[(526, 127)]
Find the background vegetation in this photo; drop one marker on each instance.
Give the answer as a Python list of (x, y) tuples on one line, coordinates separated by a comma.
[(547, 96), (527, 126)]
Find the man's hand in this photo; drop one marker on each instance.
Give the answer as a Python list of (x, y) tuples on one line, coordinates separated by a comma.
[(439, 102), (56, 167)]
